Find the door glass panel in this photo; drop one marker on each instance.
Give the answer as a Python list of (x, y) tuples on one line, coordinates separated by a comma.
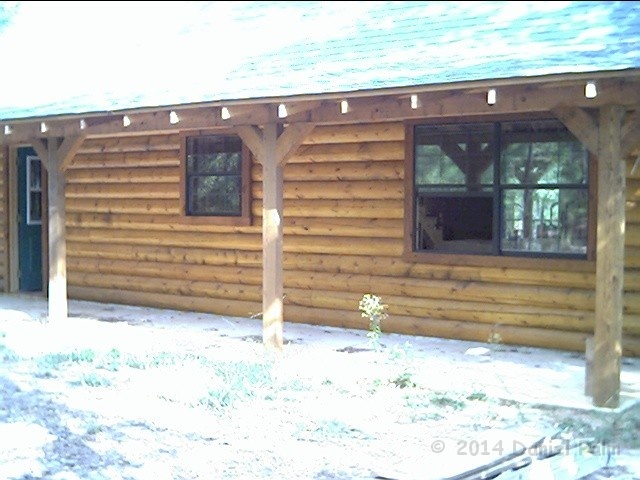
[(34, 191)]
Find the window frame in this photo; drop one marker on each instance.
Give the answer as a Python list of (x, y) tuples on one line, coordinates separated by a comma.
[(245, 217), (411, 254), (31, 189)]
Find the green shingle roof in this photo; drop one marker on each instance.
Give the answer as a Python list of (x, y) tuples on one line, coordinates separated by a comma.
[(79, 57)]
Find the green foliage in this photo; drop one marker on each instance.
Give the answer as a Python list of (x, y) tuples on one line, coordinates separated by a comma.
[(443, 399), (163, 359), (495, 338), (371, 307), (92, 379), (237, 381), (332, 428), (477, 396), (6, 354), (401, 358), (93, 428), (54, 360), (112, 360), (404, 380)]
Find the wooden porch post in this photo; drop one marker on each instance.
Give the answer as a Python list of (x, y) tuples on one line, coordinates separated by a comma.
[(56, 154), (57, 239), (607, 352), (272, 276), (272, 149)]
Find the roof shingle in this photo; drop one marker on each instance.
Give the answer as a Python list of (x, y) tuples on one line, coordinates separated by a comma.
[(116, 55)]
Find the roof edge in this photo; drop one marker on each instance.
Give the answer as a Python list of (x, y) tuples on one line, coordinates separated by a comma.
[(342, 95)]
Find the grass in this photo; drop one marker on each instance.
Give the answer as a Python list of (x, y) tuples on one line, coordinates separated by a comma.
[(221, 385), (7, 354)]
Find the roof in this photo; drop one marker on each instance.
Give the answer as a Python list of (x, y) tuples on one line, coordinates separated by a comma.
[(80, 57)]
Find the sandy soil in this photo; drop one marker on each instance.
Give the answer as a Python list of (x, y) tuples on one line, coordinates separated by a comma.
[(135, 398)]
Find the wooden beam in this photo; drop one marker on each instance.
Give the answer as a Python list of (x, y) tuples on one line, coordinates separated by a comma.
[(372, 107), (57, 241), (67, 151), (40, 146), (300, 108), (457, 103), (14, 267), (581, 124), (272, 150), (609, 260), (291, 139), (272, 209), (252, 137), (631, 134)]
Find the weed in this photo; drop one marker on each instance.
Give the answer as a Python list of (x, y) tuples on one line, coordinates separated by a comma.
[(371, 307), (94, 380), (94, 428), (477, 396), (163, 359), (112, 360), (54, 360), (237, 381), (332, 428), (404, 380), (401, 358), (86, 355), (134, 362), (8, 355), (442, 399)]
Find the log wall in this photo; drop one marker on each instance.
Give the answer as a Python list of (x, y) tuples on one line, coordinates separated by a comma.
[(343, 237)]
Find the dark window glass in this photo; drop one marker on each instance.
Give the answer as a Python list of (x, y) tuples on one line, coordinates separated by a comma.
[(517, 188), (214, 175)]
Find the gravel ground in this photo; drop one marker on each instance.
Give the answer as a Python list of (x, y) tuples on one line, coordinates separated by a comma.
[(126, 399)]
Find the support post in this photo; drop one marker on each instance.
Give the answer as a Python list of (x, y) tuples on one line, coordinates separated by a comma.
[(607, 348), (272, 148), (272, 244), (57, 238)]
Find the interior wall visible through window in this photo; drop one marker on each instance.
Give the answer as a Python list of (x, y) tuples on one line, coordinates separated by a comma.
[(501, 188)]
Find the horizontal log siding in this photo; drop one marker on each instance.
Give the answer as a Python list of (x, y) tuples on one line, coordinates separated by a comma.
[(631, 321), (4, 220), (127, 242), (343, 226)]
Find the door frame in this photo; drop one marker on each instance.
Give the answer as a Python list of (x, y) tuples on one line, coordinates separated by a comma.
[(13, 285)]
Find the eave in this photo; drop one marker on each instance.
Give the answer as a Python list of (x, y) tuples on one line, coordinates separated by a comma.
[(541, 94)]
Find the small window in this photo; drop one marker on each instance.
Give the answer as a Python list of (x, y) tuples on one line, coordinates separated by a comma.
[(216, 177), (34, 191), (508, 188)]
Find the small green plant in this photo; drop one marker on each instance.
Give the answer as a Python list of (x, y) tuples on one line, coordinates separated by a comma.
[(238, 381), (93, 428), (371, 307), (495, 338), (111, 360), (404, 380), (444, 399), (7, 355), (401, 360), (51, 361), (477, 396), (94, 380)]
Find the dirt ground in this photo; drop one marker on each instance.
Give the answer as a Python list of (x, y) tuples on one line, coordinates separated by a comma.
[(125, 393)]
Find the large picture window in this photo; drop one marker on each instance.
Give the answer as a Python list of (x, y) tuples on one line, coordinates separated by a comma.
[(216, 177), (506, 188)]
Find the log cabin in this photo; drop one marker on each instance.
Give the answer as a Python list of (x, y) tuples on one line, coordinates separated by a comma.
[(473, 164)]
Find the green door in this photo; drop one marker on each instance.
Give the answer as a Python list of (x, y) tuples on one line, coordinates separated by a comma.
[(29, 220)]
